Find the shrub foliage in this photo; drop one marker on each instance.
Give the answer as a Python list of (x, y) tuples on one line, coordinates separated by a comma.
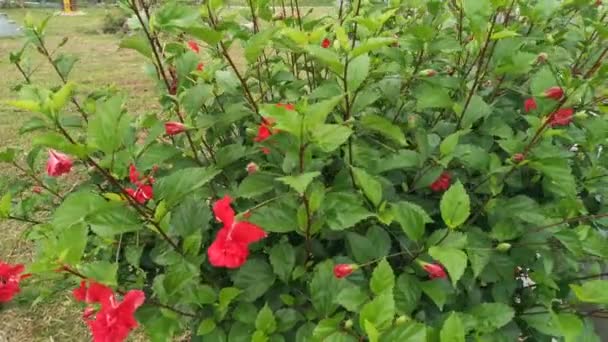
[(417, 170)]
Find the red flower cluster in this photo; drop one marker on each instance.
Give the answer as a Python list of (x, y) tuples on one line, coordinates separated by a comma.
[(114, 320), (442, 183), (434, 270), (143, 186), (530, 105), (325, 43), (58, 164), (193, 46), (173, 128), (562, 117), (344, 270), (231, 246), (10, 276)]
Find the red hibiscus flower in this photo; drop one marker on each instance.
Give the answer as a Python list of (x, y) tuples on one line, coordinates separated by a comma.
[(555, 93), (10, 276), (442, 183), (58, 164), (231, 246), (530, 105), (143, 190), (115, 319), (200, 66), (434, 270), (325, 43), (344, 270), (562, 117), (193, 46), (173, 128)]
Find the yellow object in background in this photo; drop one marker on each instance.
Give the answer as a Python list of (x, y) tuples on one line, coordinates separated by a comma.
[(67, 6)]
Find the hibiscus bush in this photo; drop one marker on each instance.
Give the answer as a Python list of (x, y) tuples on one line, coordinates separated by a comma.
[(417, 170)]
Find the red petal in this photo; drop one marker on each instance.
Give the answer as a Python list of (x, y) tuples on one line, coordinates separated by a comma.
[(224, 253), (223, 211), (263, 133), (246, 232), (134, 175)]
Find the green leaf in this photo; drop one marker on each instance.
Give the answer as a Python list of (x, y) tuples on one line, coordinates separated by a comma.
[(138, 43), (436, 290), (454, 260), (108, 129), (453, 329), (372, 333), (570, 326), (492, 316), (316, 114), (283, 260), (227, 295), (351, 298), (287, 319), (257, 43), (384, 127), (181, 183), (358, 69), (476, 110), (255, 185), (206, 327), (411, 218), (255, 278), (430, 96), (5, 205), (383, 278), (542, 81), (8, 155), (344, 210), (205, 34), (265, 321), (61, 97), (411, 332), (324, 288), (300, 182), (594, 291), (407, 293), (327, 57), (159, 324), (113, 218), (71, 243), (76, 207), (504, 34), (329, 136), (65, 64), (402, 159), (227, 81), (448, 145), (380, 311), (371, 187), (101, 271), (455, 206), (372, 44)]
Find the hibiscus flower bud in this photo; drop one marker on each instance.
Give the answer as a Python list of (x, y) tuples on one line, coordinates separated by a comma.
[(173, 128), (555, 93), (562, 117), (542, 57), (598, 3), (530, 105), (344, 270), (252, 168), (325, 43), (412, 121), (348, 324), (58, 164), (442, 183), (402, 320), (200, 66), (434, 270), (503, 247), (193, 46), (518, 157), (428, 73), (36, 189)]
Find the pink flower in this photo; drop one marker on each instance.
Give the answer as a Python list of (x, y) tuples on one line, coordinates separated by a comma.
[(530, 105), (173, 128), (10, 277), (325, 43), (344, 270), (442, 183), (252, 168), (58, 164), (231, 246), (555, 93), (115, 320), (434, 271), (562, 117), (193, 46)]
